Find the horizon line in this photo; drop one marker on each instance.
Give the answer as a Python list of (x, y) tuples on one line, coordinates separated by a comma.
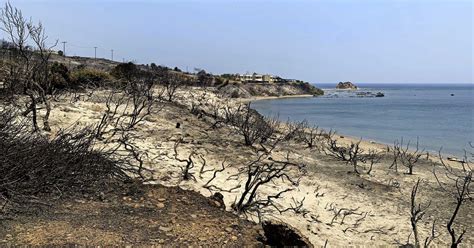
[(399, 83)]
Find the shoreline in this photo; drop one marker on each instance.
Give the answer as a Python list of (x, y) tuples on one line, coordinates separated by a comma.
[(260, 98), (348, 139), (326, 186)]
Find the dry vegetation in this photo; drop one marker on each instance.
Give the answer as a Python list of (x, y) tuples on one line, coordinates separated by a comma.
[(107, 139)]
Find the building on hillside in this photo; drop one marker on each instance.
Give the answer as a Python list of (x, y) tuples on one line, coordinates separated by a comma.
[(268, 78), (256, 78)]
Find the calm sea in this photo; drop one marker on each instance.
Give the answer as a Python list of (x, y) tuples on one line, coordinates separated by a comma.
[(439, 115)]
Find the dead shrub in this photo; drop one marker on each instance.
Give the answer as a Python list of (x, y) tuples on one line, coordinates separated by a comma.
[(34, 167)]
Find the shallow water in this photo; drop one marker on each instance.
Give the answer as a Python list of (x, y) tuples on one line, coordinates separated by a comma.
[(428, 112)]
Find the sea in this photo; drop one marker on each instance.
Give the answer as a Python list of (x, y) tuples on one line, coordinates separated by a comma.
[(439, 116)]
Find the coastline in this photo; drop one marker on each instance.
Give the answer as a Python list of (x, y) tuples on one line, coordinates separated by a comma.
[(383, 177), (368, 143), (327, 185), (259, 98)]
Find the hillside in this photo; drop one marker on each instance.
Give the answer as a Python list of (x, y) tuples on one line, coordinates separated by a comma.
[(227, 87), (135, 215), (247, 90)]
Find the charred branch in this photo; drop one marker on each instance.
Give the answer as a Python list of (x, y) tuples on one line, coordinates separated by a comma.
[(189, 162), (262, 171), (459, 188)]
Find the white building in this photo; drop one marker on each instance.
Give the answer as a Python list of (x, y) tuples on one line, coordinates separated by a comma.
[(262, 78)]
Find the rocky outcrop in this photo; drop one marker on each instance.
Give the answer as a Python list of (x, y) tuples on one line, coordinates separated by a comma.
[(369, 94), (379, 94), (360, 94), (346, 86)]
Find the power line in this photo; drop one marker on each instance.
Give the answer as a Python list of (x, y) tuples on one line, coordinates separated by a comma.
[(84, 48), (79, 46)]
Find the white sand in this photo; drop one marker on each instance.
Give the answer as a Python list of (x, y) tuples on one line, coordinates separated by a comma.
[(327, 187)]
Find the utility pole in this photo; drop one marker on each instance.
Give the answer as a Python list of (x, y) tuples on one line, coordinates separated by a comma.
[(64, 47), (112, 51), (95, 52)]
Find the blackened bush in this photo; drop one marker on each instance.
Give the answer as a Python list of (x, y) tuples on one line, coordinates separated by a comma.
[(33, 166), (125, 71), (60, 76), (252, 125)]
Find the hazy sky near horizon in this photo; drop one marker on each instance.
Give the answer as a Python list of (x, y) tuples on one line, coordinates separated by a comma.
[(366, 41)]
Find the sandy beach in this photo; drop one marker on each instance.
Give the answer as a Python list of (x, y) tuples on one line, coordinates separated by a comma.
[(339, 207)]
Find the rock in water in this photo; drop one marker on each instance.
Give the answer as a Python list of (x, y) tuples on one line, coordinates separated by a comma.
[(346, 86), (379, 94)]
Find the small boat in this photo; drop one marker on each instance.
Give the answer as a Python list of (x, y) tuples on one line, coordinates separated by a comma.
[(379, 94)]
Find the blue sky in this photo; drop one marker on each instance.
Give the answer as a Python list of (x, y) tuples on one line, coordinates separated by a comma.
[(377, 41)]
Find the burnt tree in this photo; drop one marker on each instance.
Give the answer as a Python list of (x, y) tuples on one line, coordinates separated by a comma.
[(417, 212), (402, 155), (251, 125), (27, 69), (351, 154), (458, 186), (262, 171)]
